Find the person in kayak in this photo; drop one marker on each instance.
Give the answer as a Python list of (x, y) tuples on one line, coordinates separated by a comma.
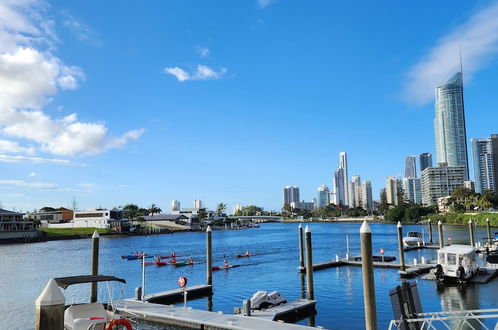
[(225, 264), (247, 252)]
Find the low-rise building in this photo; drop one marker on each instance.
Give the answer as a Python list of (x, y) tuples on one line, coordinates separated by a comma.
[(97, 218), (160, 220), (59, 216), (302, 205), (13, 227)]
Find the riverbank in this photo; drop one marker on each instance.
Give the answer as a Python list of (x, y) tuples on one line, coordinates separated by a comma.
[(479, 219)]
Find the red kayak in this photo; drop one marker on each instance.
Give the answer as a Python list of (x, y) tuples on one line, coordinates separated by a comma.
[(150, 263), (215, 268), (161, 263)]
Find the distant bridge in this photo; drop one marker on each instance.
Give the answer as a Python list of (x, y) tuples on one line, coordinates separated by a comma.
[(260, 218)]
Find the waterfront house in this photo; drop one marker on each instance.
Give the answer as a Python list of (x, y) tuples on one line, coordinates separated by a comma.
[(56, 216), (13, 227)]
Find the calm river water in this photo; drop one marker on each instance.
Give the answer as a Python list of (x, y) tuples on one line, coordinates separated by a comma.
[(26, 268)]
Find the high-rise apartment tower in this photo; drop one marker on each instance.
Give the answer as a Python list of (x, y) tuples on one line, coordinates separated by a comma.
[(449, 124)]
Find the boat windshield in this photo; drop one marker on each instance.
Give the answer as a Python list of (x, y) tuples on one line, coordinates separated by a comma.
[(441, 258), (414, 234), (451, 258)]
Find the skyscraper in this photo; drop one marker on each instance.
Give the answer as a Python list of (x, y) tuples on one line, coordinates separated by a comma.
[(425, 161), (198, 204), (291, 195), (323, 196), (449, 124), (366, 201), (355, 191), (412, 188), (392, 190), (343, 163), (174, 205), (410, 167), (440, 182), (340, 193), (485, 156)]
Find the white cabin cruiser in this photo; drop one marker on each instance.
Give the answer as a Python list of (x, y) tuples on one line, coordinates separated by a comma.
[(457, 262), (95, 316), (413, 238)]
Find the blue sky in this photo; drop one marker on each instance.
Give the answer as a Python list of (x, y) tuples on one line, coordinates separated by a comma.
[(226, 101)]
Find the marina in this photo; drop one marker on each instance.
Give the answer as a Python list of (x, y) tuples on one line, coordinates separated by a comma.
[(337, 291)]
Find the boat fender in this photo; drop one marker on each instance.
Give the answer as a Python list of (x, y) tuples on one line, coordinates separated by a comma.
[(460, 273), (439, 272), (122, 321)]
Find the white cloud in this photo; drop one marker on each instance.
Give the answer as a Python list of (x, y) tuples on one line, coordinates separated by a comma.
[(203, 72), (14, 147), (32, 174), (38, 160), (478, 40), (202, 51), (264, 3), (180, 74), (32, 185), (30, 74), (79, 29)]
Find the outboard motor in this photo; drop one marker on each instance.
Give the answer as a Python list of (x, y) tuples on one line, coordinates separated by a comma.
[(263, 299)]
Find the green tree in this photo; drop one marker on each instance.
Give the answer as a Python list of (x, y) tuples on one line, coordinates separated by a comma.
[(131, 210), (221, 208), (47, 209), (396, 213), (153, 209)]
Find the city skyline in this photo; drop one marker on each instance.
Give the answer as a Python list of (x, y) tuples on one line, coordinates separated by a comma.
[(98, 113)]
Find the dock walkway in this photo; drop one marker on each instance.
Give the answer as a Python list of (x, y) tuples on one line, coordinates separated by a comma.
[(197, 319), (176, 295), (285, 311), (411, 270)]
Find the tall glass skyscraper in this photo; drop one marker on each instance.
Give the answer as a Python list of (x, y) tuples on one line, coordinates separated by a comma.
[(323, 196), (449, 124), (425, 161), (410, 167)]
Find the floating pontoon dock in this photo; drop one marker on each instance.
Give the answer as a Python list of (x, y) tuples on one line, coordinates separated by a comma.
[(176, 295), (199, 319), (411, 270), (480, 278)]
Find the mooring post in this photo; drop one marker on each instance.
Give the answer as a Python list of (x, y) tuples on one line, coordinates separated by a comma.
[(301, 247), (309, 264), (95, 265), (143, 276), (49, 308), (471, 233), (488, 226), (400, 247), (368, 277), (440, 233), (209, 256), (430, 231)]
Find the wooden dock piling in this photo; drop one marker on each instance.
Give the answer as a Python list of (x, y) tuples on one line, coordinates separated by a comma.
[(301, 246), (488, 227), (209, 256), (440, 233), (471, 233), (368, 277), (49, 308), (400, 247), (309, 265), (430, 231), (95, 265)]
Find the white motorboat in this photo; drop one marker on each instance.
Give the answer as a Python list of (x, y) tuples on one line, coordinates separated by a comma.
[(95, 316), (413, 238), (456, 262)]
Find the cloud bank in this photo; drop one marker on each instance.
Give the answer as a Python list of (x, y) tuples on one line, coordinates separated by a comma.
[(478, 40), (202, 72), (30, 75)]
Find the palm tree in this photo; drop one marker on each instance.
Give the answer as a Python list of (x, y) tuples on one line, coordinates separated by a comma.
[(153, 209), (221, 208)]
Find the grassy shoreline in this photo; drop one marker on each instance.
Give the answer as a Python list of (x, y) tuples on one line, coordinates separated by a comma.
[(61, 232)]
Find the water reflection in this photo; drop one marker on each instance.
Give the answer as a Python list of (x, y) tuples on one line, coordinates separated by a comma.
[(455, 297)]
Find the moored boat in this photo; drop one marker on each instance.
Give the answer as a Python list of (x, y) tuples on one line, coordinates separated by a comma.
[(413, 238), (456, 262)]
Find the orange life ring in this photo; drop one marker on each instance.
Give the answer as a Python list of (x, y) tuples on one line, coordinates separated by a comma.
[(122, 321)]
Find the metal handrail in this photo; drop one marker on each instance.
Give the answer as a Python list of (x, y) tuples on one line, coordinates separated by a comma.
[(440, 317)]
